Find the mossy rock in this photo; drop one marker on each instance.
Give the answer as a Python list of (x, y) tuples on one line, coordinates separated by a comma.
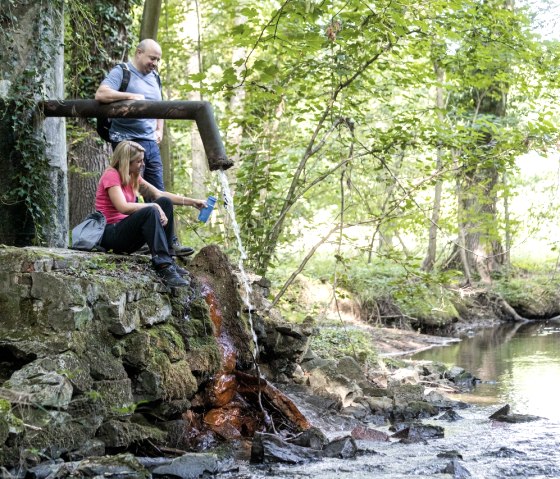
[(336, 342), (101, 351), (204, 355), (166, 338), (178, 381), (159, 357), (199, 318), (4, 425), (122, 434), (114, 397), (46, 429)]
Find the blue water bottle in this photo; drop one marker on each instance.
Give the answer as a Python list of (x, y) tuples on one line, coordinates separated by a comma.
[(207, 211)]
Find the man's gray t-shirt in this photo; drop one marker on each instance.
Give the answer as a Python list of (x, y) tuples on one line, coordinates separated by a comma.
[(147, 85)]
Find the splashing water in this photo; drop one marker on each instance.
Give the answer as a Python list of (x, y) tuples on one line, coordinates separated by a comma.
[(242, 255)]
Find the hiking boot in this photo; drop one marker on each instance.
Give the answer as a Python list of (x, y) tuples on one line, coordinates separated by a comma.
[(179, 250), (143, 250), (170, 277), (180, 270)]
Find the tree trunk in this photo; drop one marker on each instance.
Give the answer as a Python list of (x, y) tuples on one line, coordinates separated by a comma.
[(32, 149), (87, 154), (149, 29), (462, 245), (150, 19), (479, 206), (86, 160), (200, 172), (507, 221), (430, 259), (481, 169)]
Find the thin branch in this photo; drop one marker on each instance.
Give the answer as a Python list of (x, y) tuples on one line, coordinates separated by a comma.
[(300, 268), (310, 150), (277, 14)]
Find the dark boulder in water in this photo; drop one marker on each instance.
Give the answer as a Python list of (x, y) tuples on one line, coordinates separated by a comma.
[(341, 448), (271, 448), (419, 433), (312, 437), (457, 469), (450, 416), (504, 414)]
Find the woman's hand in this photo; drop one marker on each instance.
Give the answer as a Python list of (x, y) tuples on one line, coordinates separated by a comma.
[(198, 204), (162, 217)]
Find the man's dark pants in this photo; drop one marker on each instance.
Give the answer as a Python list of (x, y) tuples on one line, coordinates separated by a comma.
[(153, 167)]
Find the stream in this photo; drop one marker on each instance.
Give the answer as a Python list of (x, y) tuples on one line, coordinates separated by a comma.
[(517, 364)]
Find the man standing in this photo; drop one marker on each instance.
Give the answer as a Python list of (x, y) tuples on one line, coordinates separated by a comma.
[(144, 84)]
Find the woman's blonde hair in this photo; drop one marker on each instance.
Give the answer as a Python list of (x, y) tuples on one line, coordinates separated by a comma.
[(126, 152)]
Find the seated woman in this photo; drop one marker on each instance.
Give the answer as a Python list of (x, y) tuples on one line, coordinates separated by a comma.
[(131, 224)]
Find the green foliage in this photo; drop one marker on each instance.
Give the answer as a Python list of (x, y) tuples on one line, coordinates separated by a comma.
[(326, 67), (31, 182), (337, 342), (339, 120), (96, 39), (428, 303), (425, 299), (93, 395), (528, 285), (21, 113)]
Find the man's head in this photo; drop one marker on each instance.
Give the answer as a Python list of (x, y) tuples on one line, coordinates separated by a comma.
[(147, 56)]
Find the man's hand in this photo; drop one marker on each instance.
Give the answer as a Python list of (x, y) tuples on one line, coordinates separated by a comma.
[(159, 136)]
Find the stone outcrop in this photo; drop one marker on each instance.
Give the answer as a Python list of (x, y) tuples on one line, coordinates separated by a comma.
[(86, 341), (98, 357)]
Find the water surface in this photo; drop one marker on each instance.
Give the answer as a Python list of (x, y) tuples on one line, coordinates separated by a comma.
[(518, 364)]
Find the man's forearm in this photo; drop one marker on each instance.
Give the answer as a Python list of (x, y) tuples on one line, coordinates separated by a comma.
[(105, 94)]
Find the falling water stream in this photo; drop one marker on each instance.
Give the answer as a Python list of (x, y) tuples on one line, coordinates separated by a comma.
[(234, 404), (228, 200)]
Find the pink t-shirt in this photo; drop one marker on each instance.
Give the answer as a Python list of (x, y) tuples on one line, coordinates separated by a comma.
[(103, 203)]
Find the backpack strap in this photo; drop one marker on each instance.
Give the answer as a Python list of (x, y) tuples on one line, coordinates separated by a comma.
[(158, 78), (126, 76)]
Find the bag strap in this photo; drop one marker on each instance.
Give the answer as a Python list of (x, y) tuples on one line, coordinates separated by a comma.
[(158, 78), (125, 78)]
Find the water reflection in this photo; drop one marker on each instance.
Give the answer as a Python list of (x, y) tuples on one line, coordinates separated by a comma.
[(518, 364)]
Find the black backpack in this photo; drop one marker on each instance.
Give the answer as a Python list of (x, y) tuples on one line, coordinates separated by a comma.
[(104, 123)]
